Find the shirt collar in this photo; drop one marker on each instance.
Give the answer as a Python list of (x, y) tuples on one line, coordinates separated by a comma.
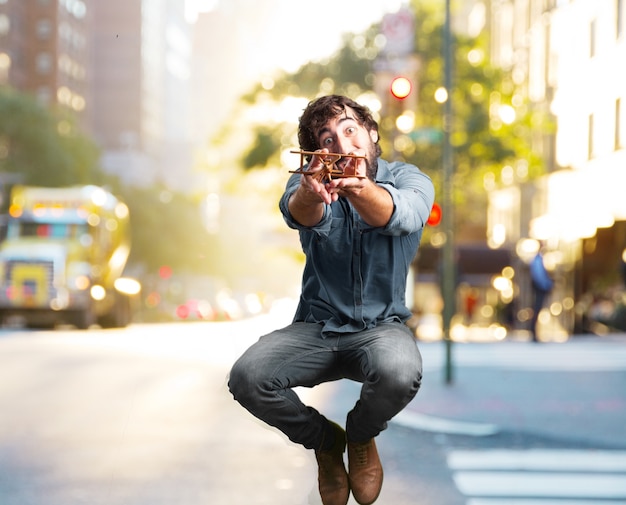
[(383, 174)]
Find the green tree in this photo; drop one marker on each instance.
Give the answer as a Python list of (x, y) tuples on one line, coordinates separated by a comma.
[(167, 229), (45, 147), (265, 145), (483, 143), (42, 146)]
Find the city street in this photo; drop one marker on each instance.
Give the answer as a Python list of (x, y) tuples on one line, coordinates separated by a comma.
[(177, 176), (142, 416)]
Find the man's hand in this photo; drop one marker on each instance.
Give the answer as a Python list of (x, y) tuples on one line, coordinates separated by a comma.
[(373, 203), (310, 184), (350, 186), (306, 204)]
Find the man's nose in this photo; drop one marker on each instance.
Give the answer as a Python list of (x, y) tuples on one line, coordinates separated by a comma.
[(344, 144)]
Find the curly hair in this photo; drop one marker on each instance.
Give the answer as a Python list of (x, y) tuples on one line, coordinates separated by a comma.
[(318, 112)]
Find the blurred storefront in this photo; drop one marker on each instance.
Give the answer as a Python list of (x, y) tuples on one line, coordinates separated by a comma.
[(484, 292), (581, 223), (580, 218), (564, 58)]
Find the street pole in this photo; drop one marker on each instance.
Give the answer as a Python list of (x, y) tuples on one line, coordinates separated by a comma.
[(448, 266)]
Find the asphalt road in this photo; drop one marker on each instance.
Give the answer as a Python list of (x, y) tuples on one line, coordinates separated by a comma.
[(142, 416)]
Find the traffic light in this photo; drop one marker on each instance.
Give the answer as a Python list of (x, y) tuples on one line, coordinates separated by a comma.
[(401, 87), (435, 215), (165, 272)]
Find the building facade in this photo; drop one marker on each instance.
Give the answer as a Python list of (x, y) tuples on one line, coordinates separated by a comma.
[(566, 57), (123, 68), (141, 79), (45, 50)]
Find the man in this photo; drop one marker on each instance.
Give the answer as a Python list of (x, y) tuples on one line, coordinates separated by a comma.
[(623, 267), (359, 235), (542, 284)]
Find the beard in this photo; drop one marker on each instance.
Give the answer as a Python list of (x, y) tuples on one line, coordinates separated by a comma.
[(371, 160)]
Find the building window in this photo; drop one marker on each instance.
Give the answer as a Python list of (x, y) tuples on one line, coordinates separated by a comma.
[(77, 8), (5, 24), (549, 5), (44, 95), (43, 63), (592, 39), (5, 66), (44, 29), (618, 124), (590, 146)]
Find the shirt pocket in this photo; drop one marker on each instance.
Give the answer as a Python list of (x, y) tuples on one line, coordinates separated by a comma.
[(339, 240)]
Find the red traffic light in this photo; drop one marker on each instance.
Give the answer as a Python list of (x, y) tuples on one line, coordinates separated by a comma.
[(401, 87), (435, 215), (165, 272)]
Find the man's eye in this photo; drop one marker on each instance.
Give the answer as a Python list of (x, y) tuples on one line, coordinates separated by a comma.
[(351, 130), (327, 141)]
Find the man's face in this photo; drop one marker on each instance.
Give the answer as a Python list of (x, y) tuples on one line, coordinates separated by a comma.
[(344, 134)]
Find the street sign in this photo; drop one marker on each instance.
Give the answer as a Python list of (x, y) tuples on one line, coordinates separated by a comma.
[(426, 135), (399, 31)]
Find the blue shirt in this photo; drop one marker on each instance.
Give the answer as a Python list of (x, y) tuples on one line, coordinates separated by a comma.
[(539, 275), (355, 274)]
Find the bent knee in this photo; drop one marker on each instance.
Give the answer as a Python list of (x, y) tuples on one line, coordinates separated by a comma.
[(410, 381), (247, 382), (403, 380), (240, 381)]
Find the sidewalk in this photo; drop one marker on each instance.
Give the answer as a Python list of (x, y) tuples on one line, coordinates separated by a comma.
[(576, 389)]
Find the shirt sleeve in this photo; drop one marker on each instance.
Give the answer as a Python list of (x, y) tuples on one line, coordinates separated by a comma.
[(322, 228), (413, 196)]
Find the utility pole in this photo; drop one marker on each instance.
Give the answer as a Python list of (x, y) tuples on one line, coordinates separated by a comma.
[(448, 266)]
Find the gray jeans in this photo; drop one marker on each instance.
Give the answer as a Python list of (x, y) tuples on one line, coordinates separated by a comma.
[(385, 360)]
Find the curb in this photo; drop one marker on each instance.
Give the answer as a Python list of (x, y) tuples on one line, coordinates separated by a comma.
[(434, 424)]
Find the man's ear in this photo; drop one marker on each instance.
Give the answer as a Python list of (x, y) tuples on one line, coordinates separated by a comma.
[(374, 135)]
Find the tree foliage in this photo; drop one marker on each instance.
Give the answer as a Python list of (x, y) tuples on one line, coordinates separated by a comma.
[(44, 147), (264, 146), (484, 145), (167, 230), (41, 146)]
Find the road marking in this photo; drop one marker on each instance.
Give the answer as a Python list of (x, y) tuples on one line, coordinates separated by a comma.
[(539, 460), (552, 485), (531, 501), (539, 476), (571, 356), (423, 422)]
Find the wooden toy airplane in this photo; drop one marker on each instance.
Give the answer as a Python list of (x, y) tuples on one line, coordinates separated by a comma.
[(330, 170)]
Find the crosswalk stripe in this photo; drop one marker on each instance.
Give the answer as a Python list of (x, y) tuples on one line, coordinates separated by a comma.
[(531, 501), (435, 424), (541, 357), (518, 484), (539, 459), (539, 476)]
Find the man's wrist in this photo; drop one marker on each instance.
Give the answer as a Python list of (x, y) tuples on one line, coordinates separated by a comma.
[(306, 207), (363, 189), (305, 197)]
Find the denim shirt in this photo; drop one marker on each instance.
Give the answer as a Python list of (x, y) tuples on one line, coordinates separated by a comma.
[(355, 274), (539, 275)]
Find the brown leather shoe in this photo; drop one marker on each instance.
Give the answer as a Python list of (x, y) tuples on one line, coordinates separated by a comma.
[(333, 478), (365, 471)]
